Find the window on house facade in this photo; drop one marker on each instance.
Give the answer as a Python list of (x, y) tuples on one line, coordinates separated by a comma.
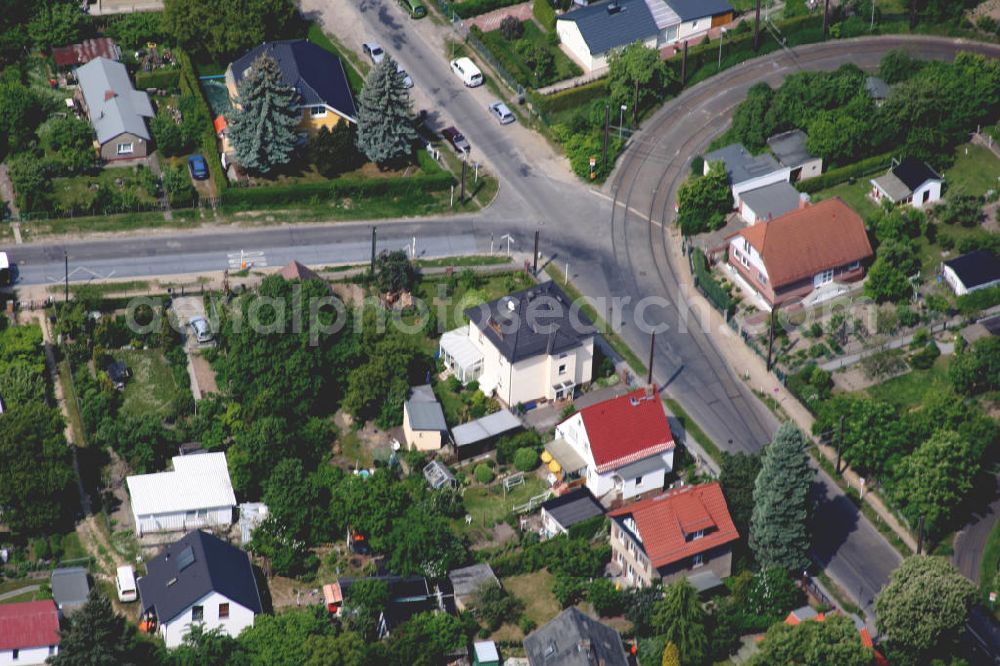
[(854, 265), (223, 611), (825, 277), (52, 650), (638, 480), (15, 654), (698, 560), (126, 148), (317, 111), (761, 277), (562, 369), (746, 246), (197, 613)]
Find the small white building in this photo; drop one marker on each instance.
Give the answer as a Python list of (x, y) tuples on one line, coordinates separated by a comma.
[(197, 493), (29, 632), (909, 182), (972, 272), (747, 172), (771, 201), (622, 447), (199, 580), (561, 513), (533, 344), (424, 428), (790, 150)]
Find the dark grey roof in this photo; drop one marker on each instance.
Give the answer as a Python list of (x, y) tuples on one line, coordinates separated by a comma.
[(467, 580), (790, 148), (69, 587), (607, 25), (316, 73), (689, 10), (741, 165), (975, 268), (573, 638), (534, 321), (424, 410), (775, 200), (573, 507), (114, 106), (187, 570), (876, 88), (914, 173)]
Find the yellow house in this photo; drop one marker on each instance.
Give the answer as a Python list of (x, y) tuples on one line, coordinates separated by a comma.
[(316, 74), (424, 426)]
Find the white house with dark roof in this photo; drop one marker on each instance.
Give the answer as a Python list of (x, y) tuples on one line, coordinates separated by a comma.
[(561, 513), (746, 171), (909, 182), (199, 580), (971, 272), (116, 110), (790, 150), (533, 344)]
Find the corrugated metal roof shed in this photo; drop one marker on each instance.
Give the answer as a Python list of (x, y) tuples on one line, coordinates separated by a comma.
[(197, 482)]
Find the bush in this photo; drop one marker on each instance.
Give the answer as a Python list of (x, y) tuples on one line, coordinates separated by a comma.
[(865, 167), (526, 460), (511, 28), (177, 185), (283, 195), (571, 98), (470, 8), (979, 300), (544, 13), (163, 79), (605, 597), (527, 625), (484, 473), (708, 284), (925, 358)]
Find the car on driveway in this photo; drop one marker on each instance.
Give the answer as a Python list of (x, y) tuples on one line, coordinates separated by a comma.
[(502, 112), (373, 51), (414, 8), (456, 139), (202, 331), (466, 70), (407, 81), (198, 167)]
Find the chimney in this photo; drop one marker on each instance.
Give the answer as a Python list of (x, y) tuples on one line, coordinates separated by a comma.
[(614, 7), (650, 390), (109, 94)]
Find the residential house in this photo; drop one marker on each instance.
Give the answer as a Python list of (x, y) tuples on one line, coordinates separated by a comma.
[(561, 513), (75, 55), (877, 90), (534, 344), (766, 203), (745, 171), (69, 589), (467, 581), (573, 638), (423, 420), (197, 493), (673, 535), (810, 254), (477, 437), (790, 150), (621, 447), (909, 182), (29, 632), (198, 580), (971, 272), (117, 111), (314, 72), (590, 34)]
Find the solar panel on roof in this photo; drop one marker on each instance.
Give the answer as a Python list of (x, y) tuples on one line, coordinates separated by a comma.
[(185, 559)]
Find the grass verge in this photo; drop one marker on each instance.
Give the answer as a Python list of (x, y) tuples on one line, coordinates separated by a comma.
[(838, 594), (72, 403), (988, 565)]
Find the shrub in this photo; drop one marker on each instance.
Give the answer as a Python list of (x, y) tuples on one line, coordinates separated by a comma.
[(842, 174), (469, 8), (527, 625), (178, 187), (544, 13), (484, 473), (925, 358), (979, 300), (605, 597), (282, 195), (526, 460), (511, 28), (571, 98)]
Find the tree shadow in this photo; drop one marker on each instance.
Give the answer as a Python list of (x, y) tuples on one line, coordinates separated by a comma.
[(833, 520)]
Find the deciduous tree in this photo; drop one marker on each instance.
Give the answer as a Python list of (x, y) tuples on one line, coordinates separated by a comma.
[(833, 642), (750, 118), (779, 535), (264, 118), (224, 29), (886, 282), (335, 151), (704, 201), (385, 131), (56, 23), (637, 78)]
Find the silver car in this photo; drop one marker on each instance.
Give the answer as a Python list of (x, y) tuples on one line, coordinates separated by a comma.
[(202, 331), (407, 81), (373, 51), (502, 112)]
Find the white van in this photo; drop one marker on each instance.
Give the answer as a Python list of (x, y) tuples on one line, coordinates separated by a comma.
[(466, 70), (125, 582)]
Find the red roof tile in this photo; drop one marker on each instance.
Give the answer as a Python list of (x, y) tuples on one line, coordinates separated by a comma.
[(626, 429), (809, 240), (28, 624), (664, 521)]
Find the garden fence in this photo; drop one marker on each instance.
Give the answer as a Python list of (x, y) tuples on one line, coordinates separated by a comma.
[(485, 54)]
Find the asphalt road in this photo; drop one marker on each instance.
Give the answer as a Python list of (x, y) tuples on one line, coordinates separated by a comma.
[(611, 251)]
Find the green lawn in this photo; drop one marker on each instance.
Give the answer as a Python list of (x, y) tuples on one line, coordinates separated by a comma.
[(988, 566), (124, 187), (353, 450), (854, 196), (540, 604), (975, 171), (152, 388), (467, 294), (489, 505), (510, 56), (36, 595), (911, 389)]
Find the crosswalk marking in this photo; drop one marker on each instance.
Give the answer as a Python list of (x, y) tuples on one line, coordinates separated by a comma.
[(242, 260)]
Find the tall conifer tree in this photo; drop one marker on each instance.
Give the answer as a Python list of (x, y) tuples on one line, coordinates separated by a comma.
[(385, 132), (265, 115)]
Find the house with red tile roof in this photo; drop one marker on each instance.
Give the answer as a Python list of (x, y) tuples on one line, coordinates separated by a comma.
[(809, 254), (622, 448), (674, 535), (29, 632)]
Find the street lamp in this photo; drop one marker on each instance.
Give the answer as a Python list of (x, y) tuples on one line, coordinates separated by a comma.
[(722, 38), (621, 119)]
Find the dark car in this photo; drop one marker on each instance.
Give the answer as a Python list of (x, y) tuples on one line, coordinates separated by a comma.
[(198, 167), (456, 139)]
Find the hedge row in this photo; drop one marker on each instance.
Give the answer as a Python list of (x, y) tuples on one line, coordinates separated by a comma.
[(572, 98), (714, 291), (249, 197), (865, 167), (163, 79), (470, 8), (189, 86), (544, 13), (977, 301)]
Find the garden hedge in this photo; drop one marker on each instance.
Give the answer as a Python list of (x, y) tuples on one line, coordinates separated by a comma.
[(544, 13), (189, 86), (865, 167), (572, 98), (470, 8), (248, 197), (164, 79)]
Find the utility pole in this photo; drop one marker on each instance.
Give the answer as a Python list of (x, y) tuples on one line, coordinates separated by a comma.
[(826, 17), (840, 442), (652, 349), (684, 64), (756, 29), (920, 534), (66, 261), (373, 251), (607, 127), (534, 266)]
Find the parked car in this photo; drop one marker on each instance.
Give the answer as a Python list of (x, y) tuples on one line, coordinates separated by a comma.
[(125, 582), (466, 70), (202, 331), (198, 167), (407, 81), (373, 51), (502, 112), (456, 139), (414, 8)]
